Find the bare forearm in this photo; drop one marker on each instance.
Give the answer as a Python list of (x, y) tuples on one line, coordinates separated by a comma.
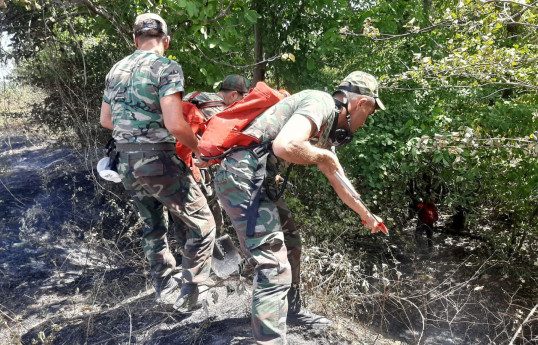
[(172, 108), (301, 152), (349, 199), (187, 138)]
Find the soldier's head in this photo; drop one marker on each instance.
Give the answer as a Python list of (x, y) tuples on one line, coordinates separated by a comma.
[(234, 88), (151, 33), (359, 95)]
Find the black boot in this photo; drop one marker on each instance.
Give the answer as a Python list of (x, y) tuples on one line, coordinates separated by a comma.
[(301, 316), (191, 298), (164, 288)]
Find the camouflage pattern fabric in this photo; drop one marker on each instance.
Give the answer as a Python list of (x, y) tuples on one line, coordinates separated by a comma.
[(212, 200), (318, 106), (292, 240), (265, 250), (133, 89), (275, 248), (207, 174), (157, 179), (235, 82), (292, 236), (206, 186), (362, 83)]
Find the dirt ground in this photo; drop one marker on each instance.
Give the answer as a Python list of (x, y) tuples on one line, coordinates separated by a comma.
[(68, 276), (64, 283)]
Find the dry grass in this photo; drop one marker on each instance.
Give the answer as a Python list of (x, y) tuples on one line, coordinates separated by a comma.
[(432, 295), (18, 98)]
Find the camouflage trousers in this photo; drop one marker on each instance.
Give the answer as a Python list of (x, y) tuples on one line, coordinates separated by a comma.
[(178, 228), (159, 179), (266, 250)]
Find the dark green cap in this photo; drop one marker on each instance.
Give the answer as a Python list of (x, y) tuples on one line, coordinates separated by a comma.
[(362, 83), (235, 82)]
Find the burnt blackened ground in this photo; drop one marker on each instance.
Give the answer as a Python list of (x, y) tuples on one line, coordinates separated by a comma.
[(72, 271)]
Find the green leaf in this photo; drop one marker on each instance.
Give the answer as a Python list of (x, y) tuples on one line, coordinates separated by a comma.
[(225, 46), (192, 9), (252, 16), (310, 65)]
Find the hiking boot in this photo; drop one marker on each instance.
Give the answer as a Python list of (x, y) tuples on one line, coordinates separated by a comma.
[(164, 288), (191, 297), (302, 316)]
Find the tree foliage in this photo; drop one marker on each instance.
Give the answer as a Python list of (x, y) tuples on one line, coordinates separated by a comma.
[(459, 79)]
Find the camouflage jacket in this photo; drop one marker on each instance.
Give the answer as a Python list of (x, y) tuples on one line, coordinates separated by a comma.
[(134, 87), (316, 105)]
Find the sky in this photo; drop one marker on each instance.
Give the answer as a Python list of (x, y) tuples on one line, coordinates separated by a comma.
[(5, 68)]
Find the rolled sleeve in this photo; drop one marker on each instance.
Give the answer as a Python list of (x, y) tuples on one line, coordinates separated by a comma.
[(171, 80), (317, 110), (106, 93)]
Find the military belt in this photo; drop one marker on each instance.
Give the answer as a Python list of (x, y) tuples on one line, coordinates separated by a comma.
[(134, 147)]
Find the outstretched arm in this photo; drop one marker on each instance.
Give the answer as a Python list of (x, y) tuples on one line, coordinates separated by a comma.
[(293, 145)]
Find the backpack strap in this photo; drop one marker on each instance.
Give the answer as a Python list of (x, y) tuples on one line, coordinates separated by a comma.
[(203, 105), (261, 152), (193, 96), (211, 104), (274, 195)]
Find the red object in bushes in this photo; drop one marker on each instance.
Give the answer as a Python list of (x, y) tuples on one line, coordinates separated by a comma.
[(427, 213)]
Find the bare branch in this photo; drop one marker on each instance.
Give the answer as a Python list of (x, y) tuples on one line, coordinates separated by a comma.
[(533, 310), (522, 24), (386, 37), (223, 13), (103, 13), (511, 2), (230, 65)]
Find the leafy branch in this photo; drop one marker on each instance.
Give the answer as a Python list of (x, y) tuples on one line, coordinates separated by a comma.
[(205, 56)]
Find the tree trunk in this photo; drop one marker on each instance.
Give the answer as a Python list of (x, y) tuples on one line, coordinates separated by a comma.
[(259, 69)]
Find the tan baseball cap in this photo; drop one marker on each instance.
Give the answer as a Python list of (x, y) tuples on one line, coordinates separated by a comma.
[(362, 83), (150, 23)]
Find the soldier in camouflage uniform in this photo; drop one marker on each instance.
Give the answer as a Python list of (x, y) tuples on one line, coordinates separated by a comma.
[(303, 127), (142, 105), (232, 89)]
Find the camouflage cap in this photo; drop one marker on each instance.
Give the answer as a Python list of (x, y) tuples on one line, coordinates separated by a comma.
[(151, 24), (363, 84), (235, 82)]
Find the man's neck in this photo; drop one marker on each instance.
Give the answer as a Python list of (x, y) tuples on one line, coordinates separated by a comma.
[(151, 46)]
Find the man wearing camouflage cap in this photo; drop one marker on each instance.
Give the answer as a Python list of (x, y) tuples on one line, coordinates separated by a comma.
[(232, 89), (142, 105), (303, 128)]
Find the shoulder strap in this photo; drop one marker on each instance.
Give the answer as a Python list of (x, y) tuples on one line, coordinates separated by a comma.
[(211, 104), (193, 96), (206, 104)]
